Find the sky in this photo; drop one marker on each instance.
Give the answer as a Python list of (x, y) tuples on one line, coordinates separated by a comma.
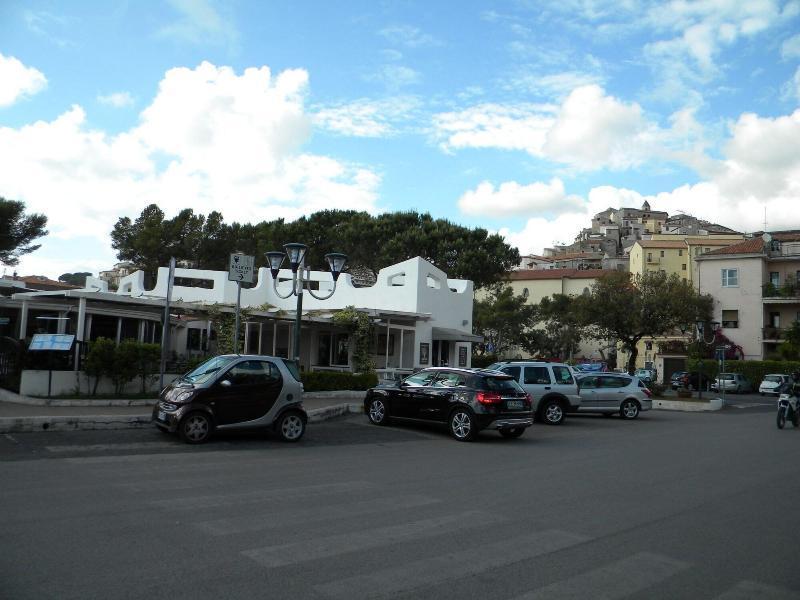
[(523, 117)]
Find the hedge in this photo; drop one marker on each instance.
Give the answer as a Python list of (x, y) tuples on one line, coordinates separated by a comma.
[(480, 361), (753, 370), (326, 381)]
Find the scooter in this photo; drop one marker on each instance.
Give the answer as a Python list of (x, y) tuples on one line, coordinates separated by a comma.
[(788, 410)]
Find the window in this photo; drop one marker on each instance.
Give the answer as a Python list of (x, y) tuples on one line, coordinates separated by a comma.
[(662, 254), (697, 251), (537, 375), (421, 378), (706, 249), (513, 371), (775, 319), (680, 252), (588, 383), (775, 278), (730, 277), (614, 382), (341, 343), (649, 257), (648, 345), (683, 267), (450, 380), (562, 375), (730, 319), (252, 372)]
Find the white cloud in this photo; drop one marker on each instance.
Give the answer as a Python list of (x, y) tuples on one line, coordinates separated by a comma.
[(790, 48), (411, 37), (511, 198), (366, 118), (209, 140), (18, 80), (116, 99), (589, 131), (394, 77), (200, 23)]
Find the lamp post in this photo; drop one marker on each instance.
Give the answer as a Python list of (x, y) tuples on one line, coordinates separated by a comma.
[(701, 327), (296, 254)]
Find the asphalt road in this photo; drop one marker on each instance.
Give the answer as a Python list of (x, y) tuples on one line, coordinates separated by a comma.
[(672, 505)]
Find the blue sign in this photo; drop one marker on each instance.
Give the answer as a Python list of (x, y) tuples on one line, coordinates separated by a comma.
[(52, 341)]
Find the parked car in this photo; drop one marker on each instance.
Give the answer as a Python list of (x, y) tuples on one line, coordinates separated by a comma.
[(612, 393), (466, 400), (645, 375), (693, 380), (551, 386), (234, 392), (731, 382), (676, 380), (772, 383)]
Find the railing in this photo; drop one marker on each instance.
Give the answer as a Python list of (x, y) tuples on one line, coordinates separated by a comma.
[(773, 333), (787, 290), (785, 250)]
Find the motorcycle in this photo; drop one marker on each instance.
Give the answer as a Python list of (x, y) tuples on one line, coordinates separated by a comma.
[(788, 410)]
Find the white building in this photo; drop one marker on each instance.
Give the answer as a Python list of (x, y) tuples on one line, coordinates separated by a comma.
[(421, 317)]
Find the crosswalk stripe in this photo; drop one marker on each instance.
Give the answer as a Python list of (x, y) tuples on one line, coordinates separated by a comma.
[(424, 573), (616, 580), (283, 495), (745, 590), (334, 545), (279, 518)]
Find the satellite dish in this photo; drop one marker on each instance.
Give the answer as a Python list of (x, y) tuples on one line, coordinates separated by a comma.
[(767, 238)]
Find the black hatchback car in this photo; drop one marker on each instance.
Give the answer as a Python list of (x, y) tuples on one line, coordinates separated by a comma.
[(466, 400), (234, 392)]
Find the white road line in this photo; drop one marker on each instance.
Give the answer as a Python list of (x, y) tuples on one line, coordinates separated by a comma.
[(11, 437), (616, 580), (335, 545), (746, 590), (110, 447), (280, 518), (428, 572), (283, 495)]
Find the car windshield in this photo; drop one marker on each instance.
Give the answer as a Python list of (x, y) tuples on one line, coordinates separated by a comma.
[(773, 378), (726, 376), (500, 384), (206, 370)]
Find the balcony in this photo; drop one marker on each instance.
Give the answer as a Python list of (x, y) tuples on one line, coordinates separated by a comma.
[(788, 293), (785, 250), (773, 334)]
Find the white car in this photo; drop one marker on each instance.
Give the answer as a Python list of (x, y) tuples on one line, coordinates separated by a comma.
[(772, 382)]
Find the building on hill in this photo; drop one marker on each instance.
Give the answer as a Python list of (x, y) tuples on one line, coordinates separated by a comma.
[(682, 224), (119, 271), (675, 253), (533, 261)]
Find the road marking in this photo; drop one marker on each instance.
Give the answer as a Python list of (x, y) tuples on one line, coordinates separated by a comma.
[(11, 437), (745, 590), (110, 447), (616, 580), (334, 545), (280, 518), (427, 572), (283, 494)]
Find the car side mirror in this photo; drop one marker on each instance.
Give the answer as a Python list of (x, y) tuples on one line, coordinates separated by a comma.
[(226, 383)]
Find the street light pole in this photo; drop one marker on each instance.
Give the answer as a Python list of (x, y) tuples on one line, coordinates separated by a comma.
[(296, 254)]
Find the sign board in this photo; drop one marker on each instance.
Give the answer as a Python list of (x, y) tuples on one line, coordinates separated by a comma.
[(52, 341), (462, 356), (241, 268)]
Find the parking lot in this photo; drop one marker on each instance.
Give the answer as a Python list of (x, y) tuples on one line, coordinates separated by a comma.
[(671, 505)]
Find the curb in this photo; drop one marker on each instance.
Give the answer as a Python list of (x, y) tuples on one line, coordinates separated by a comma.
[(93, 422), (688, 406)]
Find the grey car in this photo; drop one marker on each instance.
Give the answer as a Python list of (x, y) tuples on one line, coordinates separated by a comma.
[(551, 385), (613, 393), (731, 382)]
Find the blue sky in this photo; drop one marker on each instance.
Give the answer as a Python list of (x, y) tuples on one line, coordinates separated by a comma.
[(524, 117)]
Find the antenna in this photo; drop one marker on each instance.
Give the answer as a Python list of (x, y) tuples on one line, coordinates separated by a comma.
[(765, 217)]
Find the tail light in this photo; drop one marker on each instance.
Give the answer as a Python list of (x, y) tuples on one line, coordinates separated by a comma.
[(647, 392), (488, 397), (530, 399)]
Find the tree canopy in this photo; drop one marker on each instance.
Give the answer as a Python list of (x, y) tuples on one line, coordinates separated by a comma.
[(628, 308), (371, 242), (504, 320), (18, 230), (74, 278)]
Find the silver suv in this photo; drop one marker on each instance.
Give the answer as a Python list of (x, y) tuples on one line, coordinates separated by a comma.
[(551, 386)]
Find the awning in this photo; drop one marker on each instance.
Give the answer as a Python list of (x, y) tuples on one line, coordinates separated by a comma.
[(454, 335)]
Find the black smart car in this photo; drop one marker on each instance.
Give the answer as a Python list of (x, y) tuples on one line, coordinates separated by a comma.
[(234, 392), (466, 400)]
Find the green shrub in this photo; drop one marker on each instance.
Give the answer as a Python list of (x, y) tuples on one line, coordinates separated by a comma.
[(480, 361), (326, 381), (753, 370), (656, 388)]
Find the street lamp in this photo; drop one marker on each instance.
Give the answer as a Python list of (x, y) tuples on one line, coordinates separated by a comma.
[(296, 253), (700, 326)]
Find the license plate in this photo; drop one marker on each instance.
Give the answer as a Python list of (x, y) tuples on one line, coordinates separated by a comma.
[(514, 404), (162, 416)]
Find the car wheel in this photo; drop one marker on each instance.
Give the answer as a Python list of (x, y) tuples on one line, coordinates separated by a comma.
[(291, 426), (377, 411), (462, 425), (514, 432), (553, 412), (781, 418), (629, 409), (196, 428)]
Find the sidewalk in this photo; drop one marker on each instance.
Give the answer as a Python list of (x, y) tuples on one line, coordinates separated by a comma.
[(23, 414)]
